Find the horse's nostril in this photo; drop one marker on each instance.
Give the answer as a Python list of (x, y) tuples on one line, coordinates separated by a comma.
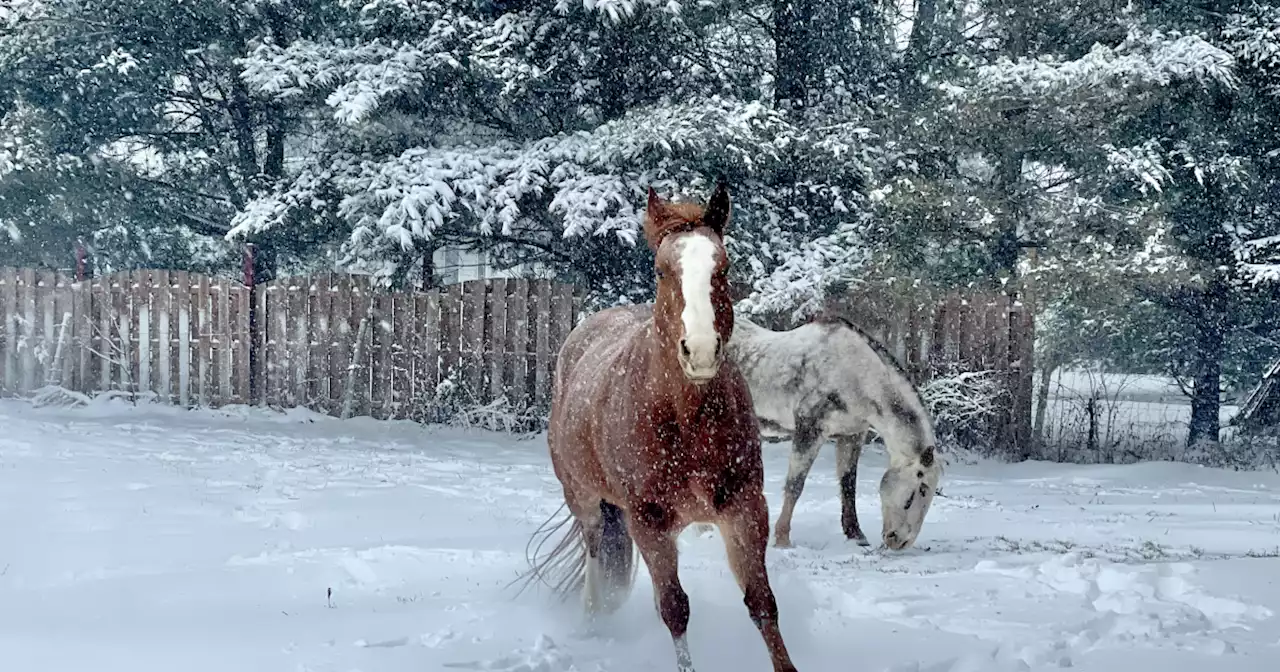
[(719, 342), (684, 348), (891, 535)]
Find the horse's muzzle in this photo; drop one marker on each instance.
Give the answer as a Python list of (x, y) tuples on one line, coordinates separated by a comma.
[(700, 359), (897, 540)]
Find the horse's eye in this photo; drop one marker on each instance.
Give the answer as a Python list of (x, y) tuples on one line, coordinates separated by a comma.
[(661, 275)]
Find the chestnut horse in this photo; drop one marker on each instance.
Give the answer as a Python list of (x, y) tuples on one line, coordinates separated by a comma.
[(652, 430)]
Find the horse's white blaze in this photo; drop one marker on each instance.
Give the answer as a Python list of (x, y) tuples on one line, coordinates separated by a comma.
[(697, 264)]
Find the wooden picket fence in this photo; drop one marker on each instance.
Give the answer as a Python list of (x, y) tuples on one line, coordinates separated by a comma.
[(970, 331), (331, 342), (322, 336), (337, 344)]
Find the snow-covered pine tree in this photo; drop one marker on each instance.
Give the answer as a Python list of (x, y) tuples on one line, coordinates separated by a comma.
[(1090, 134), (532, 130), (152, 141)]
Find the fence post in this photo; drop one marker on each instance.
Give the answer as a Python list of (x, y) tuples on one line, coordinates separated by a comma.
[(248, 265)]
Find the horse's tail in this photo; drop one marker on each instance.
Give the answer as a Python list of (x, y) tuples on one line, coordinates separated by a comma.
[(564, 567)]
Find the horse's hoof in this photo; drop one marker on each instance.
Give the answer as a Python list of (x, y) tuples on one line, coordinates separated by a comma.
[(856, 535)]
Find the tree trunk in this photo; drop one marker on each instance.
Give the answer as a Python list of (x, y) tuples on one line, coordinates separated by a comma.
[(277, 133), (265, 262), (917, 52), (1091, 413), (1042, 402), (1205, 396), (1014, 437), (791, 54), (428, 268)]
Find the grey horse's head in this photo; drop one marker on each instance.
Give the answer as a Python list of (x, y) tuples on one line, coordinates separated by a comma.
[(906, 492)]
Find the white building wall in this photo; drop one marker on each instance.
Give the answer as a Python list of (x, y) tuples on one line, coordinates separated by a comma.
[(455, 265)]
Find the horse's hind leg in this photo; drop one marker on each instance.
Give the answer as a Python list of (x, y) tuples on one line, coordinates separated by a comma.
[(613, 561), (804, 450), (746, 534), (848, 451)]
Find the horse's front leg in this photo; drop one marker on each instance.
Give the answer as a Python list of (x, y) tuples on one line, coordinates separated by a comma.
[(804, 450), (745, 529), (848, 451), (657, 545)]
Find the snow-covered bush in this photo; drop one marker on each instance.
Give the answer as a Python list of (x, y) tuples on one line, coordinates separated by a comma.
[(963, 404)]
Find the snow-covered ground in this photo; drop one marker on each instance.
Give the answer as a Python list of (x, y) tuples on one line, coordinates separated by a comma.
[(143, 539)]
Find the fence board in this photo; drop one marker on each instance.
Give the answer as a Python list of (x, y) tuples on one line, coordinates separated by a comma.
[(429, 316), (116, 336), (317, 300), (8, 343), (277, 335), (542, 344), (339, 340), (518, 339), (204, 342), (26, 332), (560, 324), (226, 335), (154, 290), (450, 331), (358, 369), (421, 362), (180, 324), (471, 345), (401, 355), (213, 319), (297, 341), (68, 294), (162, 304), (497, 343), (139, 298), (244, 344), (45, 298)]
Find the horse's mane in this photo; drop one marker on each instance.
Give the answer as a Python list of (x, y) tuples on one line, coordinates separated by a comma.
[(672, 217)]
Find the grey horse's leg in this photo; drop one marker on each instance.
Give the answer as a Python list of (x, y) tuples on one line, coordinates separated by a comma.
[(848, 451), (804, 450)]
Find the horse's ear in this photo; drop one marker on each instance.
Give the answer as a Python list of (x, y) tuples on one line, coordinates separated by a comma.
[(653, 214), (718, 209), (655, 204)]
